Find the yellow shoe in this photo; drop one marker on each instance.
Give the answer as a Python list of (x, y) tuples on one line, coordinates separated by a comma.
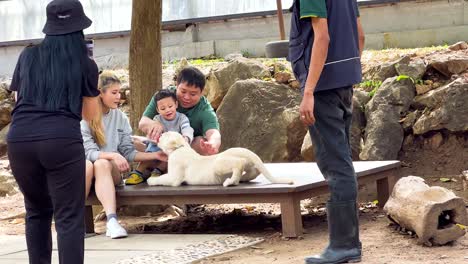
[(134, 178)]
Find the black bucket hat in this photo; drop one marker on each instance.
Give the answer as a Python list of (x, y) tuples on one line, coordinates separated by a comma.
[(64, 17)]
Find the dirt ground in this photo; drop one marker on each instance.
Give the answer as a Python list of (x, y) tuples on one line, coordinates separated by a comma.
[(382, 242)]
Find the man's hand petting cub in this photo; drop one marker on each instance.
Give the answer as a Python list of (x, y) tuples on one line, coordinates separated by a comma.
[(227, 168)]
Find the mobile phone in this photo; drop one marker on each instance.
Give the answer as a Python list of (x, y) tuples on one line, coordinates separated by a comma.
[(90, 47)]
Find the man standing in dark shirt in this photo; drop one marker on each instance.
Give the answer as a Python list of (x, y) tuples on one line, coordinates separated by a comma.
[(326, 41)]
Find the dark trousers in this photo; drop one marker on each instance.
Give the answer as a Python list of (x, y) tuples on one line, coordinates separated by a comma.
[(51, 176), (330, 138)]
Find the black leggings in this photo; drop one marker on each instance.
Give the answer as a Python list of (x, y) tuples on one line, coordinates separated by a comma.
[(51, 176)]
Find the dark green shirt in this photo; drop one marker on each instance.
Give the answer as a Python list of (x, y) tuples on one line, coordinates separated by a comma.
[(314, 8), (202, 117)]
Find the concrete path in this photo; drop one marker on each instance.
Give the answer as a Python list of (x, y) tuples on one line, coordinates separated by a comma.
[(100, 249)]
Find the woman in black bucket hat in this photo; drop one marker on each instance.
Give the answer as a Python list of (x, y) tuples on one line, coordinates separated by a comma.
[(56, 85)]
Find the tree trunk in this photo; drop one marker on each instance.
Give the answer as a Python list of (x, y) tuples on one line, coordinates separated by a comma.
[(145, 64)]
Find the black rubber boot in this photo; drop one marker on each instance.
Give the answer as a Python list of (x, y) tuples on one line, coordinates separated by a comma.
[(343, 226)]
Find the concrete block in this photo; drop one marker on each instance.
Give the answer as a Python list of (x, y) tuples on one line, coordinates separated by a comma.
[(434, 213)]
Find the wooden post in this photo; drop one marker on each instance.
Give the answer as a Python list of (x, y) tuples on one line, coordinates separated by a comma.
[(385, 186), (280, 19), (89, 219), (291, 219)]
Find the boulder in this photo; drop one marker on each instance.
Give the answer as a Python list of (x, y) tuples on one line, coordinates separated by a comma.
[(462, 45), (5, 85), (282, 77), (263, 117), (4, 92), (383, 135), (449, 63), (233, 56), (307, 149), (6, 107), (415, 69), (358, 124), (294, 84), (394, 92), (409, 120), (8, 185), (385, 70), (446, 108), (422, 88), (3, 140), (183, 62), (361, 97), (221, 79)]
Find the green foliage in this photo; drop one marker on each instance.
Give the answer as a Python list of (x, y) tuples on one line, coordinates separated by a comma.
[(372, 93), (246, 54), (404, 77), (200, 62), (371, 85)]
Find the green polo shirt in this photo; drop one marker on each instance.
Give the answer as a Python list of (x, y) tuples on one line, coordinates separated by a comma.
[(315, 8), (202, 116)]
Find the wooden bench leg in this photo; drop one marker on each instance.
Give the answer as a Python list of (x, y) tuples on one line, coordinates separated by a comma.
[(89, 219), (385, 186), (291, 219)]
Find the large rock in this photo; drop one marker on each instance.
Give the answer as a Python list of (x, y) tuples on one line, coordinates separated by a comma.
[(448, 108), (4, 93), (357, 125), (398, 94), (449, 63), (462, 45), (385, 70), (263, 117), (8, 185), (362, 97), (183, 62), (415, 69), (6, 107), (5, 84), (168, 77), (409, 120), (220, 80), (383, 135), (307, 149), (3, 141), (233, 56)]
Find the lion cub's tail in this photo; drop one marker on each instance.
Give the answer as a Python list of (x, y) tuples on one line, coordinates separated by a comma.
[(261, 167)]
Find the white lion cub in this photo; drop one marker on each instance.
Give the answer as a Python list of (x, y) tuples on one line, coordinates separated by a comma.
[(227, 168)]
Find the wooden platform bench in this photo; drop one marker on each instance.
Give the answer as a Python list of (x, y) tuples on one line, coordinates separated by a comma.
[(308, 183)]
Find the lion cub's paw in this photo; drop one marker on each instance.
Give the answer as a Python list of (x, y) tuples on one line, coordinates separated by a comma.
[(153, 181), (228, 182)]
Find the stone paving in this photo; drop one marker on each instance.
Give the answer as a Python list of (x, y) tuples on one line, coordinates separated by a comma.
[(193, 252)]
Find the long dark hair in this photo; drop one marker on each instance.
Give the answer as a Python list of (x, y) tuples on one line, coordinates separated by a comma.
[(55, 70)]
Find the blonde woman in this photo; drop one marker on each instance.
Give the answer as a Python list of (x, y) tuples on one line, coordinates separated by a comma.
[(109, 149)]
